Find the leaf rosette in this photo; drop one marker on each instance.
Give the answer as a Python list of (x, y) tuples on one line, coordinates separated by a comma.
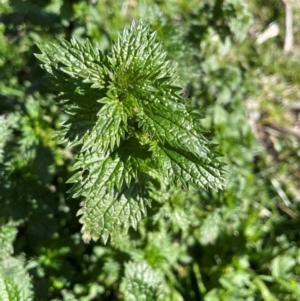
[(132, 125)]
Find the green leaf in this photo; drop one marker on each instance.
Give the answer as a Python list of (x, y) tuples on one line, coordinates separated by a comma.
[(265, 292), (8, 233), (112, 213), (210, 229), (126, 115), (6, 132), (15, 283), (114, 199), (141, 282), (190, 169), (282, 265)]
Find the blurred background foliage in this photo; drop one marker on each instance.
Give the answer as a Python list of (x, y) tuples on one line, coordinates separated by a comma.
[(242, 243)]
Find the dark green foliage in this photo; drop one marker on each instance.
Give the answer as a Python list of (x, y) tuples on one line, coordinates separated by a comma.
[(132, 127), (194, 242)]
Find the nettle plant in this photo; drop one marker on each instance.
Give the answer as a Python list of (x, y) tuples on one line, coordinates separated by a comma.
[(132, 128)]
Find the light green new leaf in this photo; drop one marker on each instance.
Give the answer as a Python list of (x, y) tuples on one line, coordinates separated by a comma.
[(282, 265), (15, 283), (141, 282), (5, 133), (8, 233)]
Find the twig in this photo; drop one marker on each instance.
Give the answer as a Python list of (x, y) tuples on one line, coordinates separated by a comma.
[(282, 130), (289, 37)]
